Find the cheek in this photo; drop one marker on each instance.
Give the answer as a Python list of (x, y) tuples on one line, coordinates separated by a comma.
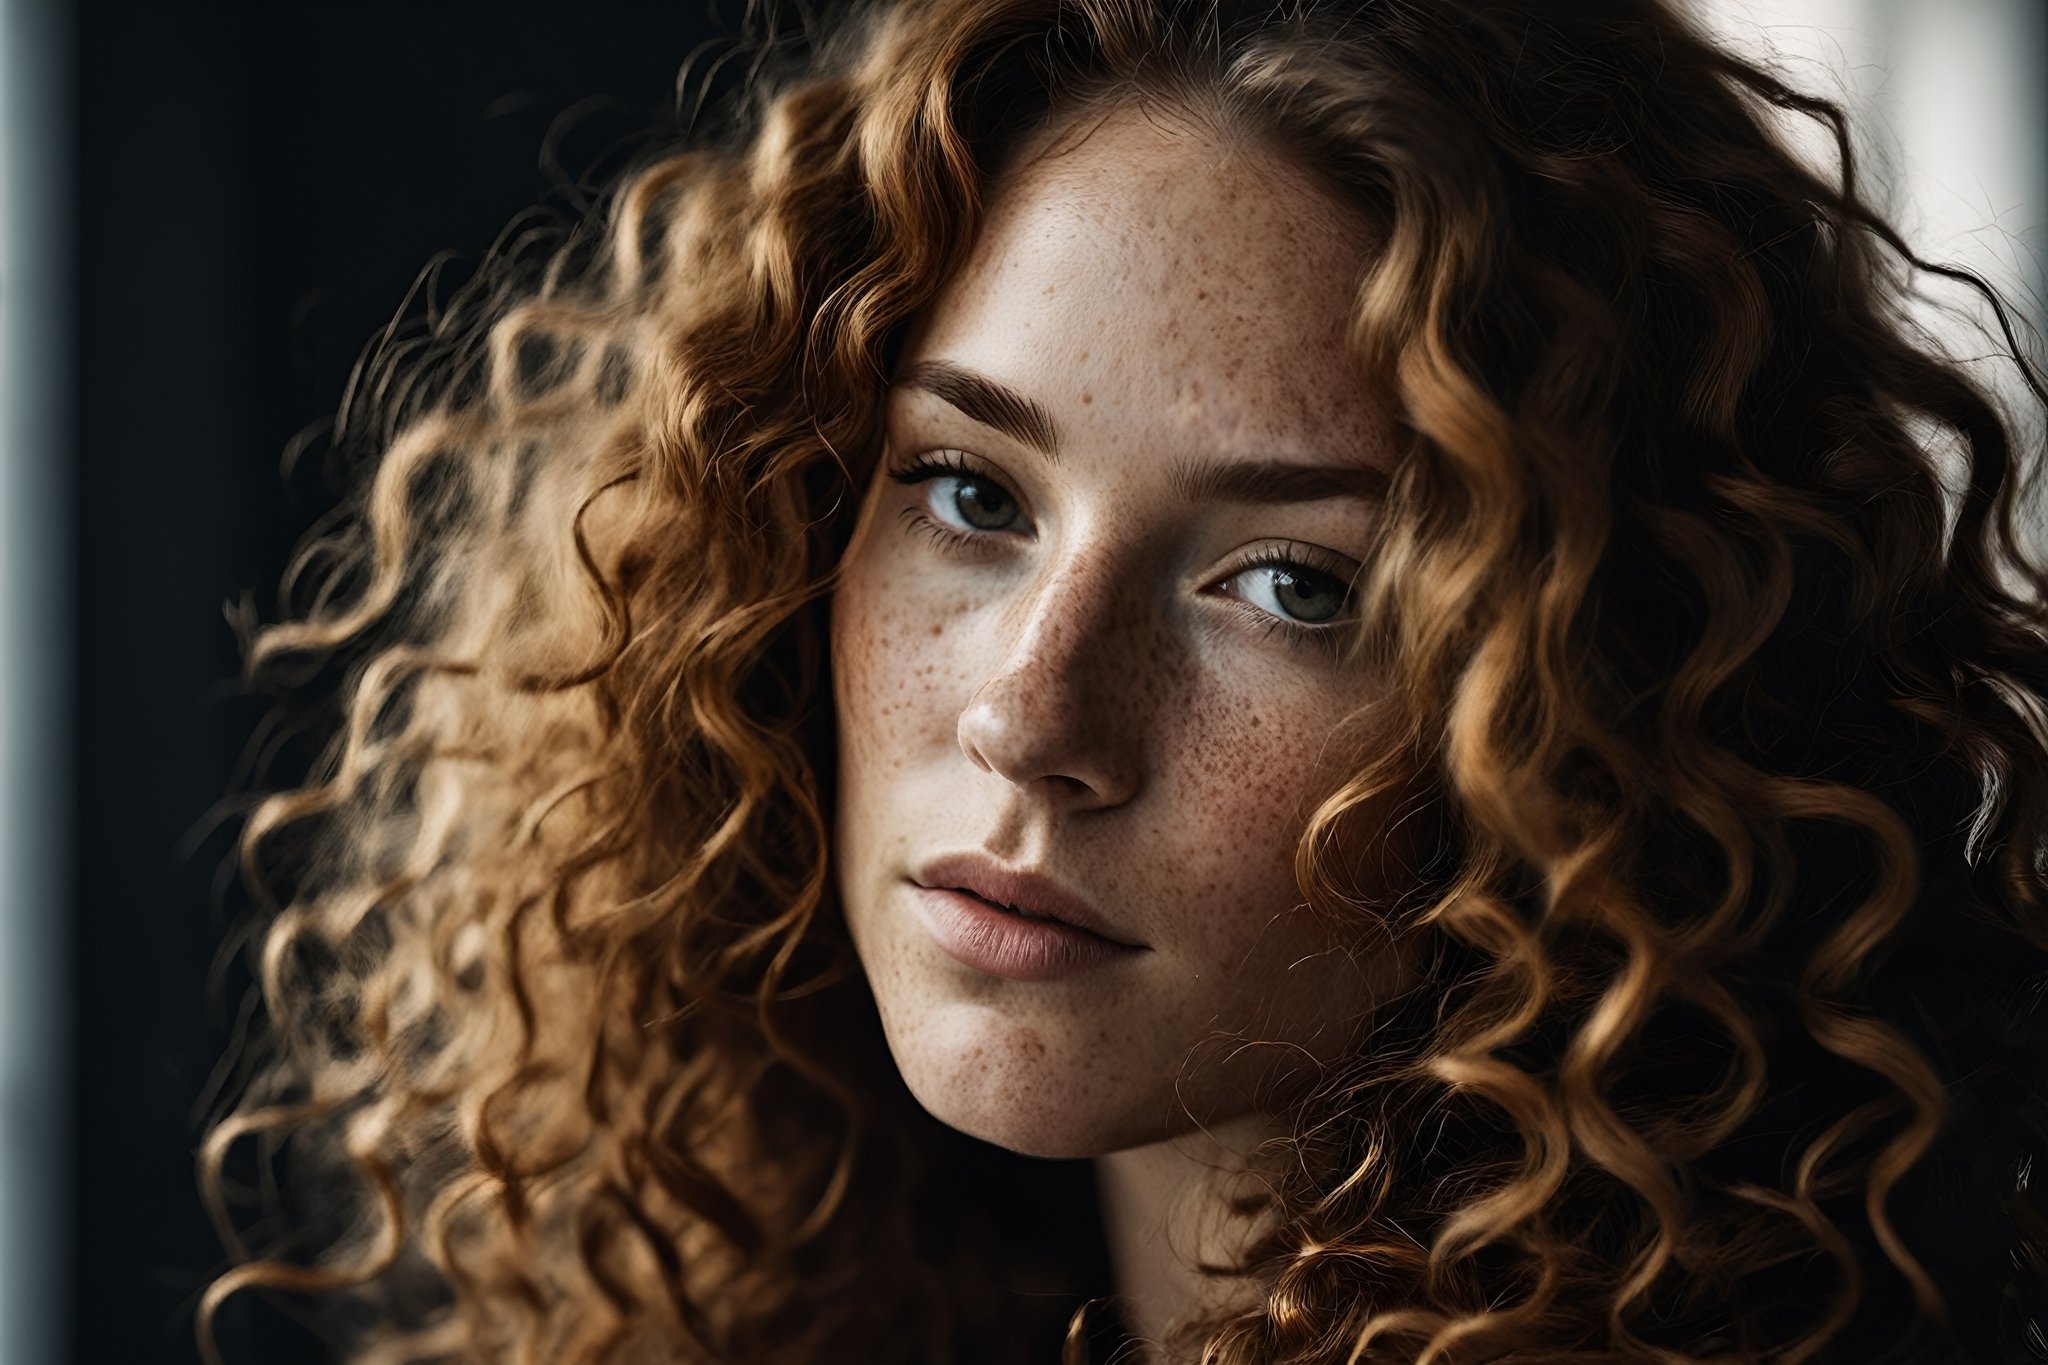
[(1271, 762), (1236, 774), (883, 676), (896, 688), (1246, 773)]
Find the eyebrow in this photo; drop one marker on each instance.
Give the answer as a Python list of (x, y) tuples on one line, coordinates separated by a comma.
[(1274, 481), (987, 402), (1003, 409)]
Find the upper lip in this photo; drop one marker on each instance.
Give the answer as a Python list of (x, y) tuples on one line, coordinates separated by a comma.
[(1019, 887)]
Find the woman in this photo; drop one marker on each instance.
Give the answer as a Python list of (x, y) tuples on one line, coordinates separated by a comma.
[(1362, 613)]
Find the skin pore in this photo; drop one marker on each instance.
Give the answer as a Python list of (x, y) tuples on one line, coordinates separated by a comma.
[(1083, 629)]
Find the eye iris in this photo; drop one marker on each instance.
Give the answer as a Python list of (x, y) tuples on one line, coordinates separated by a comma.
[(984, 506), (1306, 595)]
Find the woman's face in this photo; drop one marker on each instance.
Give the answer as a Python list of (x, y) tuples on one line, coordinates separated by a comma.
[(1082, 649)]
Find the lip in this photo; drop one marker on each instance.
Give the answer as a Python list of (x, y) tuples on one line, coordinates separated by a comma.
[(963, 898), (1034, 892)]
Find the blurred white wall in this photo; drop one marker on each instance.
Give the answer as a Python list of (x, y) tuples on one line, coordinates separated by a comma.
[(1948, 100), (1948, 94)]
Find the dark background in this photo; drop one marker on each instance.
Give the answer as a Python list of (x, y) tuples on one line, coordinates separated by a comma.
[(257, 189)]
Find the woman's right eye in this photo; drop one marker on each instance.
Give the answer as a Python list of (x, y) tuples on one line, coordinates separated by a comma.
[(968, 503), (960, 499)]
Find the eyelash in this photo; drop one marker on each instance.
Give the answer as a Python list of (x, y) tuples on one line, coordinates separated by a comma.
[(930, 465), (1295, 555), (1331, 638)]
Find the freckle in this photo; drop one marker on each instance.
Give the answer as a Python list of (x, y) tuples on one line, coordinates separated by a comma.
[(1201, 293), (938, 630), (1087, 398)]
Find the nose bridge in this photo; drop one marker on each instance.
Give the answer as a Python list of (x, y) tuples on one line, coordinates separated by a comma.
[(1061, 626), (1057, 701)]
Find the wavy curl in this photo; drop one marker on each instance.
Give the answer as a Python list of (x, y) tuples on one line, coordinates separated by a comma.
[(1703, 590)]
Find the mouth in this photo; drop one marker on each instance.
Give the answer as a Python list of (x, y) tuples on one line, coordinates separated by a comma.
[(1019, 911), (1021, 893), (1003, 939)]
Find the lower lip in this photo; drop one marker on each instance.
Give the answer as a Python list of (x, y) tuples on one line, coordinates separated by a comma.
[(978, 935)]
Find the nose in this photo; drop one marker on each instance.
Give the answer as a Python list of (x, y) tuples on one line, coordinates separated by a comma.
[(1060, 715)]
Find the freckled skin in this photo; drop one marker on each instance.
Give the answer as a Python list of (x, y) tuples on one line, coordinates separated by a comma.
[(1084, 697)]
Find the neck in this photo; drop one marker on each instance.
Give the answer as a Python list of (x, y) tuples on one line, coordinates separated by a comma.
[(1166, 1210)]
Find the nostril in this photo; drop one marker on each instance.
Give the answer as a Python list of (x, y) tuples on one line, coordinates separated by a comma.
[(972, 749)]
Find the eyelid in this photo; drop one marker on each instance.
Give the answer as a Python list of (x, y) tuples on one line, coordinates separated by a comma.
[(942, 460), (931, 463), (1299, 554)]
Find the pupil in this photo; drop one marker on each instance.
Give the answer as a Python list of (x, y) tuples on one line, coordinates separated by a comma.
[(984, 506), (1307, 596)]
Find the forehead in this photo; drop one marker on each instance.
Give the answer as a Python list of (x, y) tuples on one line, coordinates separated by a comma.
[(1149, 275)]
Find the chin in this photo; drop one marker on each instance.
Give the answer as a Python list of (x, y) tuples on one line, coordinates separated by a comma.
[(1018, 1093), (1051, 1130)]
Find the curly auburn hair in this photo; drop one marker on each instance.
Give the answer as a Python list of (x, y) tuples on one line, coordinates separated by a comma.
[(1703, 589)]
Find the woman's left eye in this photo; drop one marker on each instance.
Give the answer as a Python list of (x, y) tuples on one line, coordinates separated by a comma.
[(1292, 592)]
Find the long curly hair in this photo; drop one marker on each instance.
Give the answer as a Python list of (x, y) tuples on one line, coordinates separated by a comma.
[(1704, 590)]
